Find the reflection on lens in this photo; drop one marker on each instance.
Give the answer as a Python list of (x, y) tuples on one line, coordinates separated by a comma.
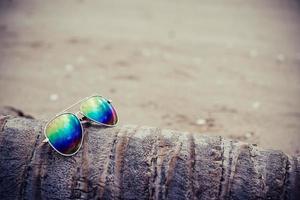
[(65, 133), (99, 110)]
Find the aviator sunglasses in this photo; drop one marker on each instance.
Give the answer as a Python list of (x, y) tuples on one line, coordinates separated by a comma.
[(64, 132)]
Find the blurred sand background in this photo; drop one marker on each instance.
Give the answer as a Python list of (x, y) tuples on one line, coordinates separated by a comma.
[(229, 68)]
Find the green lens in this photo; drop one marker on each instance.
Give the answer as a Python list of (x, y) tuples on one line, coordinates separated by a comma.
[(99, 110), (64, 133)]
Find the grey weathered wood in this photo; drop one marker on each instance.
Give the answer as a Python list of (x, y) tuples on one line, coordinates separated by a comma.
[(131, 162)]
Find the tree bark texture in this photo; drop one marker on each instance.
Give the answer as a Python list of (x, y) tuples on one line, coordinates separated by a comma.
[(133, 162)]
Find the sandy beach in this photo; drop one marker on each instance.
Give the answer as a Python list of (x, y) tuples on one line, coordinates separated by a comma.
[(228, 68)]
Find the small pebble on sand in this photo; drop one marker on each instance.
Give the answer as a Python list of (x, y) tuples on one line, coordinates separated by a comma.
[(249, 135), (201, 121), (69, 68), (53, 97), (256, 105)]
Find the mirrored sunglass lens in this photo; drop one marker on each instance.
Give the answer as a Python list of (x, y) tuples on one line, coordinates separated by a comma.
[(65, 133), (100, 110)]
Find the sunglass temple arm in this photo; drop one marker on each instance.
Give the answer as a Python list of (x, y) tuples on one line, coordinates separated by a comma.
[(43, 142)]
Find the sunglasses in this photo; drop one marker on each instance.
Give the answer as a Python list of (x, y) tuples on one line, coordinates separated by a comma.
[(65, 133)]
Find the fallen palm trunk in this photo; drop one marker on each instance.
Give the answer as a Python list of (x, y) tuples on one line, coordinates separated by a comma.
[(131, 162)]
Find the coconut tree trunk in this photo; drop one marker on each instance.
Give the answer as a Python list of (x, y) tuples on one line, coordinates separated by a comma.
[(132, 162)]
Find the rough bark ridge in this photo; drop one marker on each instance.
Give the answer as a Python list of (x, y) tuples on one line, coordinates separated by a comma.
[(131, 162)]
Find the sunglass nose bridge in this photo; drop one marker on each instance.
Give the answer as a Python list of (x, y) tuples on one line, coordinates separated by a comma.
[(78, 114)]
